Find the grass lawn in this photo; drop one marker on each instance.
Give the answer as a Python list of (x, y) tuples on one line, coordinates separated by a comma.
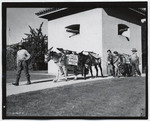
[(35, 75), (113, 97)]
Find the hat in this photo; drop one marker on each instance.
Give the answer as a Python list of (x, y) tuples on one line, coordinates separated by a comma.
[(115, 52), (108, 50), (134, 50)]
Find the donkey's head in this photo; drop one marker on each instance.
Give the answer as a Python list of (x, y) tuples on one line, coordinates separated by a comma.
[(48, 55)]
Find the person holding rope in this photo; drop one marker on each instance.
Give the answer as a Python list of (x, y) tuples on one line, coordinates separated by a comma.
[(110, 65), (22, 63)]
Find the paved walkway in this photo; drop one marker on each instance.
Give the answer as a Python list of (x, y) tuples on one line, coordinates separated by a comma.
[(45, 84)]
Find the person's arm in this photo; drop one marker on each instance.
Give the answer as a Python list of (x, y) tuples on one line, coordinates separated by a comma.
[(27, 55)]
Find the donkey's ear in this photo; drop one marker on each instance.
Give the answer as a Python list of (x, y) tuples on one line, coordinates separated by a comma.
[(51, 48), (60, 49)]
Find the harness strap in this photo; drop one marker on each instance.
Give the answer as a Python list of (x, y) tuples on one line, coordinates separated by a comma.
[(116, 60)]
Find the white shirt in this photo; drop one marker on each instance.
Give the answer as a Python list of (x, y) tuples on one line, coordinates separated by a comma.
[(134, 57), (23, 55)]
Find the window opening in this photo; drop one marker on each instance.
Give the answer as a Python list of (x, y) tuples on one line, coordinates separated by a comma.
[(74, 29), (124, 30)]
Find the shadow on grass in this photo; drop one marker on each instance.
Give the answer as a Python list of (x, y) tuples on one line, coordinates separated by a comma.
[(42, 81), (69, 79)]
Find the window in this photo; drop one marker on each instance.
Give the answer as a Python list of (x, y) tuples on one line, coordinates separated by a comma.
[(74, 29), (124, 30)]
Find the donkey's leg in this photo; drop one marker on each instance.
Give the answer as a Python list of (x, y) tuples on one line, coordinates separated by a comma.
[(91, 71), (96, 70), (75, 72), (84, 72), (117, 73), (65, 72), (57, 76), (101, 69), (61, 71)]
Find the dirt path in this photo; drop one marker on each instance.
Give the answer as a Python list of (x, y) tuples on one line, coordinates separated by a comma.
[(44, 84)]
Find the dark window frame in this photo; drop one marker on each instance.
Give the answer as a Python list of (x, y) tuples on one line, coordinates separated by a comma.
[(74, 29)]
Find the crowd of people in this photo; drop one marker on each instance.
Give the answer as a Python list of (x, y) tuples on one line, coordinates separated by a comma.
[(113, 64)]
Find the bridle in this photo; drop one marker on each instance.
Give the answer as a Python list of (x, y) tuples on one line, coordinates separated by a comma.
[(48, 58)]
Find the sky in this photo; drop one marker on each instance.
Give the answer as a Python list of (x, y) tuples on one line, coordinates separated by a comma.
[(18, 20)]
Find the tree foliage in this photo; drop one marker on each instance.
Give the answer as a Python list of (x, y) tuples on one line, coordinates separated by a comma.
[(11, 58)]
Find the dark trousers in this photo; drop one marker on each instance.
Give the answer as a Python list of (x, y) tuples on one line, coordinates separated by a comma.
[(22, 65), (135, 68)]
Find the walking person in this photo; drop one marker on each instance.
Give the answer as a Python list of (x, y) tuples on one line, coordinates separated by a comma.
[(22, 63), (134, 60), (110, 65)]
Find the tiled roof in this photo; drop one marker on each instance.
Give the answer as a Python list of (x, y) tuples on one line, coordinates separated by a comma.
[(52, 10), (48, 10)]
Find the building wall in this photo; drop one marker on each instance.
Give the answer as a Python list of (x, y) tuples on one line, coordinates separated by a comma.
[(115, 42), (89, 39)]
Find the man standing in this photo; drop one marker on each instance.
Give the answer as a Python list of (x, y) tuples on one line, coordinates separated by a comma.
[(110, 66), (22, 58), (117, 62), (134, 60)]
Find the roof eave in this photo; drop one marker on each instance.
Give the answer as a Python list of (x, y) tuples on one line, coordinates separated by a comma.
[(52, 12), (64, 11), (137, 11)]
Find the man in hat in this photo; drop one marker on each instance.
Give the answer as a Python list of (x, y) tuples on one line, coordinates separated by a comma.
[(110, 66), (117, 62), (22, 58), (134, 60)]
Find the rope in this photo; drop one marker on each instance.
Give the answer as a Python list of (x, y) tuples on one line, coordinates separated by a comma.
[(116, 60)]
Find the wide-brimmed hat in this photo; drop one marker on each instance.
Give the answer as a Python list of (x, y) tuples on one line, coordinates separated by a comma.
[(134, 50)]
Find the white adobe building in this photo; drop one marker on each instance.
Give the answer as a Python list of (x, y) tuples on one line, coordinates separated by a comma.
[(97, 30)]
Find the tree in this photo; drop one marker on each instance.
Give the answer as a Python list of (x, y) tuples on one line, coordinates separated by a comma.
[(36, 44), (11, 58)]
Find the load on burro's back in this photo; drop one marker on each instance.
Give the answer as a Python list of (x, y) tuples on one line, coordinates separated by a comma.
[(71, 62)]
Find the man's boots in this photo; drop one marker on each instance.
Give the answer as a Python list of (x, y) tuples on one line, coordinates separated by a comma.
[(28, 81), (17, 82)]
